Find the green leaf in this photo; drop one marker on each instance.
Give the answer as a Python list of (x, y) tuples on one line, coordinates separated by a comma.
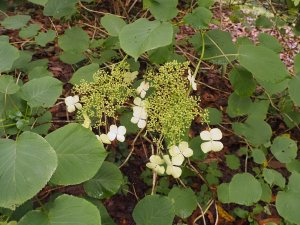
[(71, 57), (22, 61), (270, 42), (284, 149), (144, 35), (15, 22), (256, 131), (242, 81), (74, 39), (274, 88), (43, 39), (84, 73), (27, 164), (8, 55), (297, 63), (39, 72), (215, 116), (293, 88), (60, 8), (233, 162), (266, 195), (65, 209), (272, 177), (241, 195), (113, 24), (185, 201), (259, 109), (263, 63), (79, 153), (290, 198), (293, 166), (41, 92), (105, 183), (105, 217), (163, 9), (8, 85), (30, 31), (39, 2), (219, 48), (238, 105), (263, 21), (258, 156), (223, 193), (154, 210), (125, 121), (205, 3), (199, 18)]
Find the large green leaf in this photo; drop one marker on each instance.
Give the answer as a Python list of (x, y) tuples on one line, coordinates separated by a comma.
[(8, 54), (272, 177), (241, 195), (238, 105), (105, 183), (74, 39), (270, 42), (263, 63), (284, 149), (154, 210), (8, 85), (60, 8), (26, 165), (42, 91), (144, 35), (79, 153), (15, 22), (294, 92), (85, 73), (185, 201), (219, 48), (199, 18), (65, 210), (113, 24), (163, 9)]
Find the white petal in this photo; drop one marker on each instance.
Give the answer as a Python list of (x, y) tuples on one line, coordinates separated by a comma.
[(194, 86), (78, 106), (75, 98), (217, 146), (142, 124), (207, 146), (187, 152), (143, 94), (160, 170), (151, 165), (177, 160), (176, 172), (216, 134), (167, 159), (113, 129), (146, 86), (169, 169), (121, 130), (70, 108), (69, 100), (137, 101), (111, 135), (156, 159), (174, 150), (134, 120), (120, 138), (205, 135), (104, 139), (183, 145)]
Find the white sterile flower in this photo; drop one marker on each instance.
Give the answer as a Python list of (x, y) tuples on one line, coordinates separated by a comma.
[(155, 164), (179, 152), (212, 138), (142, 89), (172, 167), (116, 132), (139, 113), (72, 103), (192, 78), (87, 121), (138, 102), (103, 138)]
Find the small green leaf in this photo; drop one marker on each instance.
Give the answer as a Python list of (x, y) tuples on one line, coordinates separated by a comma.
[(293, 88), (223, 193), (185, 201), (163, 9), (15, 22), (272, 177), (205, 3), (199, 18), (65, 209), (154, 210), (263, 21), (242, 81), (215, 116), (30, 31), (238, 105), (113, 24), (125, 121), (39, 72), (284, 149), (293, 166), (27, 165), (233, 162), (258, 156), (8, 55), (105, 183), (79, 153), (297, 63), (22, 61), (41, 91), (39, 2), (144, 35), (8, 85), (84, 73), (241, 195), (43, 39), (60, 8)]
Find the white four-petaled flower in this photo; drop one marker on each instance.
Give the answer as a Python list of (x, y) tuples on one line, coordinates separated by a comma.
[(155, 164), (116, 133), (139, 113), (142, 89), (172, 167), (179, 152), (72, 103), (192, 78), (211, 139)]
